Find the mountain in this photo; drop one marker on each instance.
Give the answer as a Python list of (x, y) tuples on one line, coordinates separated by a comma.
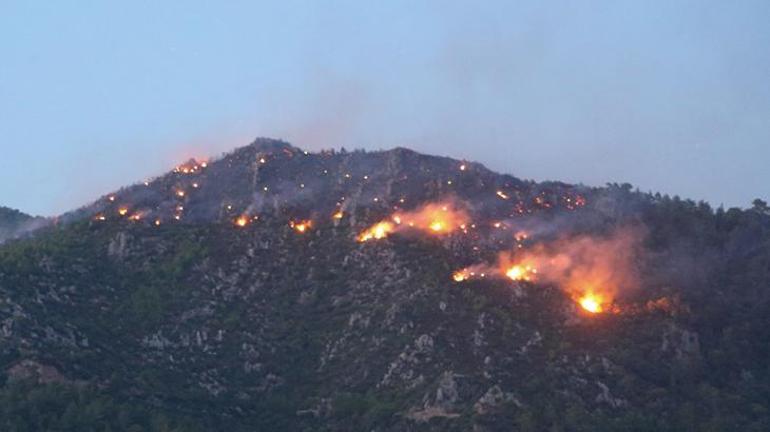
[(14, 223), (278, 289)]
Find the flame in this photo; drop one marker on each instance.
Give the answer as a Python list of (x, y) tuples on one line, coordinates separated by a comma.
[(437, 226), (112, 198), (180, 193), (476, 271), (502, 195), (157, 222), (520, 272), (191, 167), (136, 217), (591, 271), (591, 303), (436, 218), (100, 217), (122, 211), (338, 215), (301, 226), (377, 231), (241, 221)]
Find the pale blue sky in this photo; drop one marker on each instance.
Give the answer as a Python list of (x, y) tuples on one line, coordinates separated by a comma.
[(667, 95)]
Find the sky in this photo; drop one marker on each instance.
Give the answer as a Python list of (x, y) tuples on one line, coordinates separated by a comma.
[(670, 96)]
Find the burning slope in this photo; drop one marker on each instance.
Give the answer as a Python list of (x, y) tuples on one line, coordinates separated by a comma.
[(435, 218), (591, 271)]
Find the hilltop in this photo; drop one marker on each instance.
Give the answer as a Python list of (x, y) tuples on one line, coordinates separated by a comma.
[(278, 289)]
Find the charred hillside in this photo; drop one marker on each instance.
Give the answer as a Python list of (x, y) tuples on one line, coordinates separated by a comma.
[(274, 177), (275, 289)]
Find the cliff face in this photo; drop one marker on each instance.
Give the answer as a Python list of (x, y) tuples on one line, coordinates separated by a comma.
[(263, 327)]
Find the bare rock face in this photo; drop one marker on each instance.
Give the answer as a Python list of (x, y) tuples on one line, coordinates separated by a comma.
[(118, 247), (683, 344)]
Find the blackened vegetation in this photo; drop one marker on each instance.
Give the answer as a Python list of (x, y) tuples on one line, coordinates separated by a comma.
[(197, 324)]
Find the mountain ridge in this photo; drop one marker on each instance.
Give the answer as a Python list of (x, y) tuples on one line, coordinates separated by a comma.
[(395, 308)]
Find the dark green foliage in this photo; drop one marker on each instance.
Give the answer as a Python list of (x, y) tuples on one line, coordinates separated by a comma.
[(25, 407), (203, 326)]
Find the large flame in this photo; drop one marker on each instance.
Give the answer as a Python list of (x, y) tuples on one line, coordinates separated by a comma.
[(377, 231), (591, 271), (435, 218), (591, 302), (521, 272)]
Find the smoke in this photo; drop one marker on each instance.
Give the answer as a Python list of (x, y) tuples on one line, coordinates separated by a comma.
[(435, 218), (603, 268)]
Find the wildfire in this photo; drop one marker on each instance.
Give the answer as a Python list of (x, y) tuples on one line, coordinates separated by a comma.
[(191, 167), (521, 272), (502, 195), (377, 231), (180, 193), (591, 303), (301, 226), (338, 215), (122, 211), (437, 218), (437, 226), (241, 221), (467, 273), (136, 217)]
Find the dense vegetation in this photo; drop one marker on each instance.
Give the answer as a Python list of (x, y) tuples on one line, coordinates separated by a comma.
[(109, 326)]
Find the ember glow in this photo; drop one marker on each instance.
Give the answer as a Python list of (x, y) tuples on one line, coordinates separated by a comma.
[(192, 166), (301, 226), (338, 215), (468, 273)]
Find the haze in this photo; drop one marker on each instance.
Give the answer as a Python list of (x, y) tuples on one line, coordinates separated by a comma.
[(670, 96)]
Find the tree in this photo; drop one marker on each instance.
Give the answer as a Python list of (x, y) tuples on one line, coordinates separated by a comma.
[(760, 206)]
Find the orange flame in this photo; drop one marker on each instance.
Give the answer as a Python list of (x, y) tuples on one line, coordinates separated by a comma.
[(122, 211), (301, 226), (521, 272), (241, 221), (591, 303), (377, 231), (591, 271), (436, 218)]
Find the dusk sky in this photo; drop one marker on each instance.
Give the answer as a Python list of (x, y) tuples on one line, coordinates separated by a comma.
[(671, 96)]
